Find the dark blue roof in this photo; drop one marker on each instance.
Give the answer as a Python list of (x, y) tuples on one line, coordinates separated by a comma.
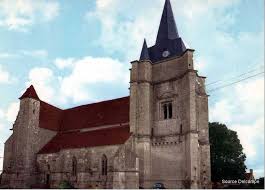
[(144, 53), (168, 39), (168, 27)]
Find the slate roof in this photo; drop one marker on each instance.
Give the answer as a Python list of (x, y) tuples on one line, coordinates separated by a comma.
[(168, 38), (144, 53), (168, 28)]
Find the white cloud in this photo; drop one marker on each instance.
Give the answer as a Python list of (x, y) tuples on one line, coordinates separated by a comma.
[(76, 83), (1, 127), (251, 95), (51, 10), (125, 24), (241, 108), (221, 111), (1, 113), (41, 79), (12, 111), (64, 63), (193, 9), (249, 135), (88, 71), (20, 14), (126, 36), (199, 63), (4, 76), (34, 53)]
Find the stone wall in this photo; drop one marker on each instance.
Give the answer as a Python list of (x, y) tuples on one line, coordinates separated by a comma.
[(141, 115), (59, 167), (122, 169), (25, 142), (168, 162), (202, 123), (172, 67), (126, 167), (8, 154), (175, 153)]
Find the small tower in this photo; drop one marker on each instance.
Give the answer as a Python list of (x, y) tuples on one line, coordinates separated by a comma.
[(169, 112), (22, 146)]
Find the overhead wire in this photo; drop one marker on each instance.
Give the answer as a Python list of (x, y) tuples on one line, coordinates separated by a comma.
[(240, 75)]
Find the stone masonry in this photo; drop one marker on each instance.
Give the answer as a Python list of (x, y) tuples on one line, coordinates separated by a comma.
[(159, 134)]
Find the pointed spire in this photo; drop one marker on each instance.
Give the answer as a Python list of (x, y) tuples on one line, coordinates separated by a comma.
[(167, 28), (30, 93), (144, 53)]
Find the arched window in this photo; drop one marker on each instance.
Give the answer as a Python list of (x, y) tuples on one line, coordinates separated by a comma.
[(104, 165), (74, 166)]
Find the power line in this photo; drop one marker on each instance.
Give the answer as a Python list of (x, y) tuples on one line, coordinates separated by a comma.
[(219, 87), (240, 75), (185, 94), (233, 83)]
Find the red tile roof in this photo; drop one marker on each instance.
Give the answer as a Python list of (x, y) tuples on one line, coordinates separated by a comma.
[(30, 93), (102, 137), (92, 115), (50, 117), (69, 122), (97, 114)]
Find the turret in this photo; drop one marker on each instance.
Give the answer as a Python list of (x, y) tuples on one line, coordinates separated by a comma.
[(22, 147)]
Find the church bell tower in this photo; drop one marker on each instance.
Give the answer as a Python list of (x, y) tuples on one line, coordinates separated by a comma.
[(169, 112)]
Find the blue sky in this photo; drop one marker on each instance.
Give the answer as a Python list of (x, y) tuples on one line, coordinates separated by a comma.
[(77, 52)]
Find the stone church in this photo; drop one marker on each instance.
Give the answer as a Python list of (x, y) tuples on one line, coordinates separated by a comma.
[(157, 135)]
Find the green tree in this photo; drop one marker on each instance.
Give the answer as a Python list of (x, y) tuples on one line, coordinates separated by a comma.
[(65, 185), (227, 157)]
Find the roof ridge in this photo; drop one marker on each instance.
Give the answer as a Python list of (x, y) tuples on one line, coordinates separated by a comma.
[(104, 101), (51, 105)]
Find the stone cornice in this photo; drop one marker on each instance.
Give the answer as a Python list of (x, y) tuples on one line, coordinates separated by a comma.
[(168, 80)]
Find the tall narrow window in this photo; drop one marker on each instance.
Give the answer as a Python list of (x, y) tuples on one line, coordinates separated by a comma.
[(170, 110), (181, 129), (167, 110), (104, 165), (74, 166)]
